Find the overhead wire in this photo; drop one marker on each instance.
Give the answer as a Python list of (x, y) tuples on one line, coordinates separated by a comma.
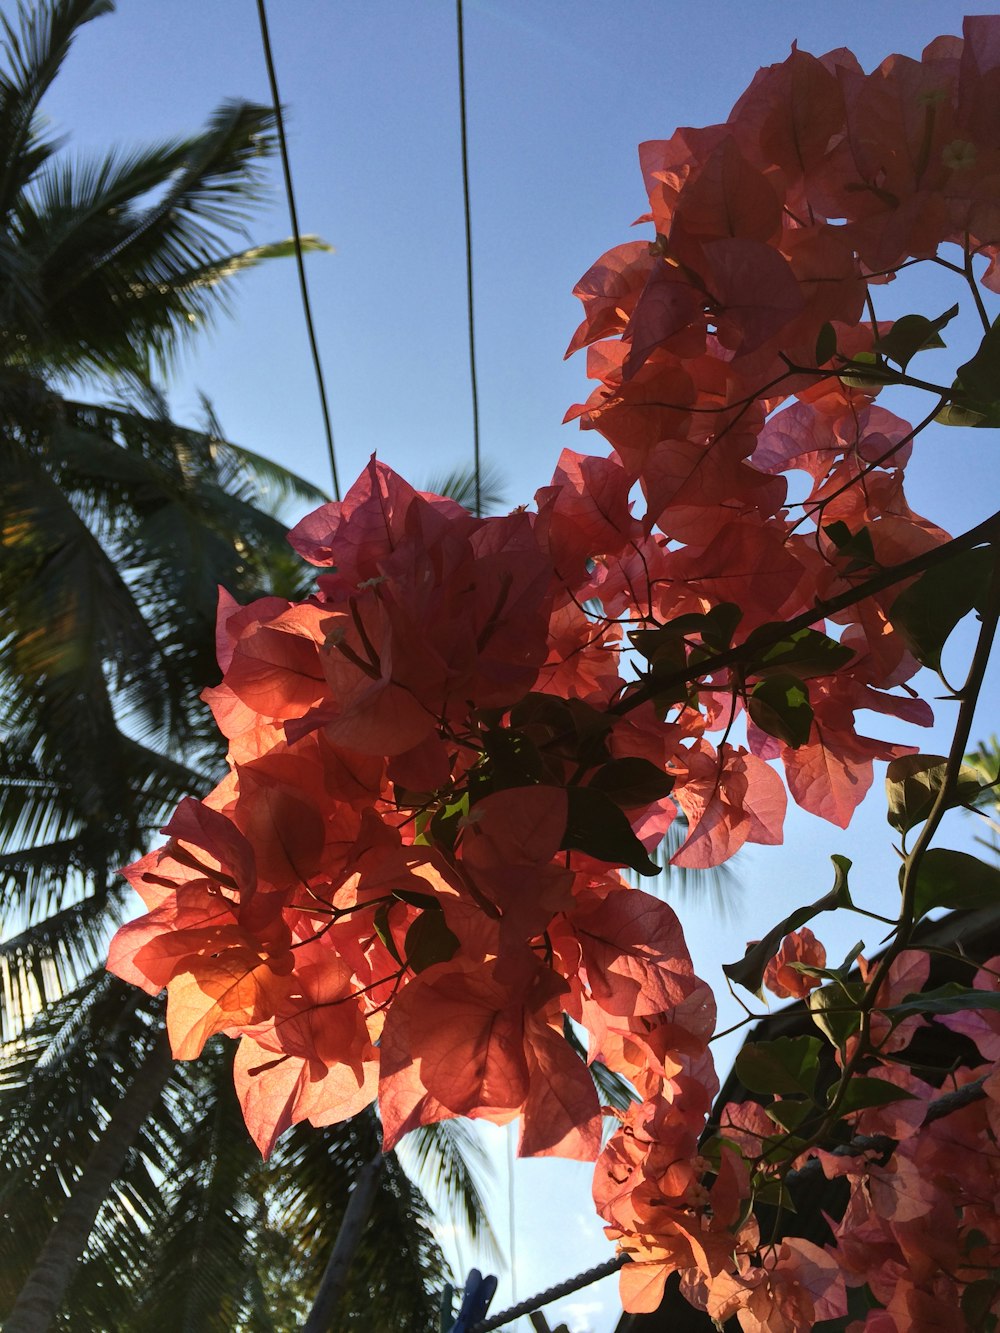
[(297, 242), (463, 118)]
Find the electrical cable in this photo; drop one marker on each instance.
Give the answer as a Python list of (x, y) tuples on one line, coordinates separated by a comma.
[(468, 260), (297, 241)]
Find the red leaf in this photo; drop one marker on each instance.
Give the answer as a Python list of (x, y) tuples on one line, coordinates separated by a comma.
[(634, 958), (561, 1114), (277, 1091)]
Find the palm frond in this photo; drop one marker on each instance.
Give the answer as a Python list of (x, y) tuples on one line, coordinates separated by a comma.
[(52, 956), (612, 1089), (460, 485), (715, 888), (34, 52), (448, 1163), (390, 1285)]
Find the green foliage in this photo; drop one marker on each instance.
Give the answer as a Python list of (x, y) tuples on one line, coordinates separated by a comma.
[(913, 784), (953, 880), (780, 706), (930, 608), (911, 334), (785, 1065)]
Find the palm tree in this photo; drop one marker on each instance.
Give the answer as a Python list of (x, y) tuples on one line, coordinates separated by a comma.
[(116, 527)]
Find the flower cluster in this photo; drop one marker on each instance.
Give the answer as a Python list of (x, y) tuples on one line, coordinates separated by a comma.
[(410, 881)]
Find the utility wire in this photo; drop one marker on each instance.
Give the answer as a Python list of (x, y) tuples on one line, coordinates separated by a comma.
[(297, 241), (468, 259)]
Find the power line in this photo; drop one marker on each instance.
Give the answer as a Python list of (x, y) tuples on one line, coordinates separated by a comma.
[(297, 241), (468, 259)]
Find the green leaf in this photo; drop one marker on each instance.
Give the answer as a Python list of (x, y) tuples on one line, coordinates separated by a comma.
[(865, 371), (826, 344), (780, 705), (384, 931), (832, 1011), (912, 785), (977, 1302), (663, 646), (952, 998), (429, 941), (715, 628), (632, 781), (415, 899), (787, 1064), (749, 971), (576, 726), (927, 612), (597, 826), (514, 761), (808, 651), (446, 822), (954, 414), (790, 1114), (953, 880), (980, 377), (720, 624), (862, 1093), (911, 334), (854, 546)]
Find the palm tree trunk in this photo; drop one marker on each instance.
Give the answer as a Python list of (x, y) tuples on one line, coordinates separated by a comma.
[(331, 1287), (46, 1286)]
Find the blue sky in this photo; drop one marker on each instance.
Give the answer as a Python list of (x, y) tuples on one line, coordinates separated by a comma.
[(560, 93)]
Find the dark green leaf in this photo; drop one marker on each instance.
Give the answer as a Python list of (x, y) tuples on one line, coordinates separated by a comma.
[(663, 646), (597, 826), (780, 706), (665, 643), (749, 971), (569, 725), (952, 998), (912, 785), (720, 624), (911, 334), (632, 781), (977, 1302), (775, 1192), (415, 899), (953, 880), (826, 344), (927, 612), (383, 930), (980, 377), (856, 547), (790, 1114), (429, 941), (862, 1093), (514, 759), (787, 1064), (808, 652), (446, 822)]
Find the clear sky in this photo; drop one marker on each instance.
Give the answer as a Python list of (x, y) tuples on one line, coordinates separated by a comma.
[(560, 92)]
